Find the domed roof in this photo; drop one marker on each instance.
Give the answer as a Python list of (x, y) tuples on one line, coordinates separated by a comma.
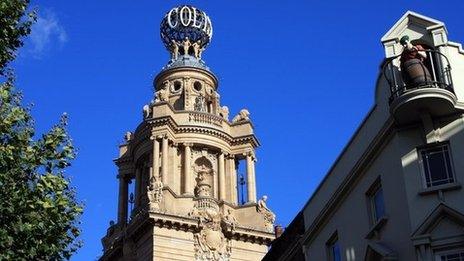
[(186, 61)]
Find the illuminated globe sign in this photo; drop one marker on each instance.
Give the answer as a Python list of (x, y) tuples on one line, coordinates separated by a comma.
[(186, 22)]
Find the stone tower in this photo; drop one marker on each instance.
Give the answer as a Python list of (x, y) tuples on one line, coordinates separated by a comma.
[(178, 196)]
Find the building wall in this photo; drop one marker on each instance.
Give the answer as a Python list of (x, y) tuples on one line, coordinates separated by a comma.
[(386, 149), (170, 244), (398, 167), (351, 220)]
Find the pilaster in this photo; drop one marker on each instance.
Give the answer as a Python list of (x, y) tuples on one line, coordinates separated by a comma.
[(164, 160), (188, 180), (155, 157), (222, 177)]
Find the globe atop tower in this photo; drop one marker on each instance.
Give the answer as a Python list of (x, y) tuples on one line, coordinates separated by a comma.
[(186, 31)]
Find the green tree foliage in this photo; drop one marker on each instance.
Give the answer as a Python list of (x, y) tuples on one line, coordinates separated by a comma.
[(14, 24), (39, 212)]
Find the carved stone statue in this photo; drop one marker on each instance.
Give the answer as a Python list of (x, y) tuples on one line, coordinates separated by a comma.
[(196, 49), (269, 216), (201, 52), (128, 136), (186, 45), (224, 112), (413, 69), (203, 188), (243, 115), (174, 49), (162, 94), (230, 219), (155, 192), (146, 111)]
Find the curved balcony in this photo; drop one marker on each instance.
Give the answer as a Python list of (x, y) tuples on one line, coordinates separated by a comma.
[(422, 87)]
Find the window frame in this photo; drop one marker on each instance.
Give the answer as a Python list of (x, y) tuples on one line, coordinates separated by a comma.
[(371, 203), (451, 174), (439, 254), (333, 241)]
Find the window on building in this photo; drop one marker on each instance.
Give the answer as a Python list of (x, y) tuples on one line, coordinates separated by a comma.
[(450, 256), (333, 249), (436, 165), (376, 204)]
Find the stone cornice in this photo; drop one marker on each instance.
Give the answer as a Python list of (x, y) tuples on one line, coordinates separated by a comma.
[(190, 224), (144, 133)]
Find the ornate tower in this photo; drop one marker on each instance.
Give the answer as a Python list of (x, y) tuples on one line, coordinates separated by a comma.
[(178, 196)]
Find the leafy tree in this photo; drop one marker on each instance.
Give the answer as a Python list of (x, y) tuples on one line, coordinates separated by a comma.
[(14, 24), (39, 212)]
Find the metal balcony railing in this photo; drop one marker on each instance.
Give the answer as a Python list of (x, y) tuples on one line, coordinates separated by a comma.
[(433, 72)]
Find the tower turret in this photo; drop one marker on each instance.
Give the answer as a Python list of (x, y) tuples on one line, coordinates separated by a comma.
[(182, 164)]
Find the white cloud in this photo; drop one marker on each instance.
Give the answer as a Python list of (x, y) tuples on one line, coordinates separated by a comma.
[(47, 32)]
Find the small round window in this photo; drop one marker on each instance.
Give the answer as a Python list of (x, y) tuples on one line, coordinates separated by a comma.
[(197, 86), (177, 86)]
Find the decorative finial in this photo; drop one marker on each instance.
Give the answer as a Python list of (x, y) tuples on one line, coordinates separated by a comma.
[(186, 30)]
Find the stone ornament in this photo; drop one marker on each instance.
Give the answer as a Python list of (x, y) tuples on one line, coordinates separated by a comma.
[(230, 220), (200, 104), (162, 95), (197, 49), (146, 111), (269, 216), (243, 115), (155, 193), (212, 157), (128, 136), (203, 188), (224, 112), (210, 242), (174, 48)]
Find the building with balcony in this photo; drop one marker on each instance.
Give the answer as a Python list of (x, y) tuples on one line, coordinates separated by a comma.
[(177, 172), (395, 192)]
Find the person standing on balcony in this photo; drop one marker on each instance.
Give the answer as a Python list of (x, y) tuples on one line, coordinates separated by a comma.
[(413, 69)]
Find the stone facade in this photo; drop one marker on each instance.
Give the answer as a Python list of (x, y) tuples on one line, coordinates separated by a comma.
[(395, 192), (182, 161)]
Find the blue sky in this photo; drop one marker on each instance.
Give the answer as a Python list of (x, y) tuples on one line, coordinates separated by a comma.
[(304, 69)]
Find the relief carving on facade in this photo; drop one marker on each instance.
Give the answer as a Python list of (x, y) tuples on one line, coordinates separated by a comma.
[(211, 157), (163, 93), (200, 104), (155, 193), (210, 242), (187, 92), (268, 215)]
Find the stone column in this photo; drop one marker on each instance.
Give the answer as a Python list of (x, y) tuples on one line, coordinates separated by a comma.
[(122, 203), (138, 186), (156, 149), (251, 187), (233, 179), (164, 161), (187, 167), (222, 177)]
